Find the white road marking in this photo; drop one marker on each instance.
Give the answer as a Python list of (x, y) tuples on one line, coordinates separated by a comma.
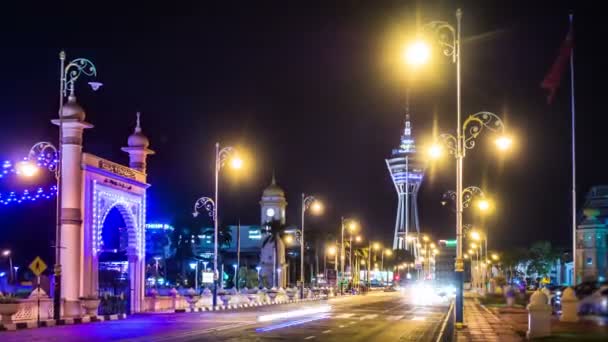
[(342, 326), (372, 316), (326, 332), (394, 318), (345, 315), (309, 337)]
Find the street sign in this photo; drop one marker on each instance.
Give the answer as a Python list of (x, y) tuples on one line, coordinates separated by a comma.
[(38, 266), (208, 277)]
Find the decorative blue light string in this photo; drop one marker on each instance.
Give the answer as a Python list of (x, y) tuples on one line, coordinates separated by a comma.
[(45, 160), (26, 195)]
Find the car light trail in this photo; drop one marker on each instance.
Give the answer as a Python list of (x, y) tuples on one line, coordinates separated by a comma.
[(291, 323), (295, 313)]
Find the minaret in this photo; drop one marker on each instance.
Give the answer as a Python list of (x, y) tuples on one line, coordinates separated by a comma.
[(72, 124), (138, 148)]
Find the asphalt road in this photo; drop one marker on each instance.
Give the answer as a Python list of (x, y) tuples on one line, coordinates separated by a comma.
[(373, 317)]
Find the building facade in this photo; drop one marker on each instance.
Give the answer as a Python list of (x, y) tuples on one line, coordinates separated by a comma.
[(592, 237)]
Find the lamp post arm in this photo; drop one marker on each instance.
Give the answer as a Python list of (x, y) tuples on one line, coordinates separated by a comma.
[(475, 124), (73, 71)]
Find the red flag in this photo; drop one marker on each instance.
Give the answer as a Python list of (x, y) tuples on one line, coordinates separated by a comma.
[(553, 78)]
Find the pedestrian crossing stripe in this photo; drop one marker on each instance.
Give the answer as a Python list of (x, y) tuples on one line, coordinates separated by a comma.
[(370, 316), (345, 315), (394, 318)]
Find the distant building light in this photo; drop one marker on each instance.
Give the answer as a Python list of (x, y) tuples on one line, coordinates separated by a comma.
[(255, 234), (159, 226), (589, 261)]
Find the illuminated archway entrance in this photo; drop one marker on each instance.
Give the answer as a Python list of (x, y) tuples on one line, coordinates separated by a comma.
[(90, 188), (114, 192)]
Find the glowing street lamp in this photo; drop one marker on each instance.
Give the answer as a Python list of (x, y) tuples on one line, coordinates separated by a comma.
[(352, 226), (503, 142), (475, 236), (483, 204), (417, 54), (435, 151), (308, 202), (449, 39), (495, 257)]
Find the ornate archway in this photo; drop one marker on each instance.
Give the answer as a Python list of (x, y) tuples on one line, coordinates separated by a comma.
[(90, 188), (109, 185)]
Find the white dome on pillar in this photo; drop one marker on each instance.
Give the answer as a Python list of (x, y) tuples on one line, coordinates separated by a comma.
[(137, 148), (72, 110)]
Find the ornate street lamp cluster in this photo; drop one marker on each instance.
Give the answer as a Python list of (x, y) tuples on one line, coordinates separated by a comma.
[(222, 157), (448, 38)]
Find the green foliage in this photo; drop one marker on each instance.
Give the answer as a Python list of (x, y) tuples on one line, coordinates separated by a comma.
[(224, 235), (248, 278), (541, 257), (8, 300)]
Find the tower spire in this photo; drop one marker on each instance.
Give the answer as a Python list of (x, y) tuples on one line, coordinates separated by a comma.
[(138, 125), (274, 180), (408, 128)]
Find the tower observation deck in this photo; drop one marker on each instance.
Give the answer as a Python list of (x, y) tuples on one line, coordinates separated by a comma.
[(407, 173)]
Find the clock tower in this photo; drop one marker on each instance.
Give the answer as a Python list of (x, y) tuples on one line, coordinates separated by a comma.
[(273, 203)]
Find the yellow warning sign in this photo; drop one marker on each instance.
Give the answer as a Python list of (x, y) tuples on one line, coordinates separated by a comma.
[(38, 266)]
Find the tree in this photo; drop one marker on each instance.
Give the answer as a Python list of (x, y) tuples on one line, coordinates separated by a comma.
[(511, 259), (541, 258), (184, 238), (275, 230)]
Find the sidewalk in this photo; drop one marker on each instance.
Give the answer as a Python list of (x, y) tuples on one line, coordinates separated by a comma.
[(483, 325)]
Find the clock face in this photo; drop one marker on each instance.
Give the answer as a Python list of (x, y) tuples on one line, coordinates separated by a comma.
[(270, 212)]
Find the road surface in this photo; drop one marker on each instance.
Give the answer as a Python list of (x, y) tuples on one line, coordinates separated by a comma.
[(378, 316)]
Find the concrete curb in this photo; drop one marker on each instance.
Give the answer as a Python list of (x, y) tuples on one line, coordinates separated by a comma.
[(59, 322), (243, 306)]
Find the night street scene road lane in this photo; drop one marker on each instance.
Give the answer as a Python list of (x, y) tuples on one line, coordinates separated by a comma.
[(373, 317)]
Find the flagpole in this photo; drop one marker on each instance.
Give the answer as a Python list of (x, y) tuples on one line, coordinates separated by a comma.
[(575, 275)]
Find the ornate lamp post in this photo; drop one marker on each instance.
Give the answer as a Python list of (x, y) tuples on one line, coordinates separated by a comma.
[(307, 203), (210, 206), (352, 225), (449, 40), (68, 76), (221, 157)]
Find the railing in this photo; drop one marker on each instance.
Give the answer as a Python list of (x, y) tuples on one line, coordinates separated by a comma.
[(28, 310), (447, 331)]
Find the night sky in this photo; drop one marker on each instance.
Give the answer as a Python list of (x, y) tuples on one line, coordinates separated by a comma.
[(313, 92)]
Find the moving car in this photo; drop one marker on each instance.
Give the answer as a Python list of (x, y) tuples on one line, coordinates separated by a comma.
[(596, 303), (390, 288)]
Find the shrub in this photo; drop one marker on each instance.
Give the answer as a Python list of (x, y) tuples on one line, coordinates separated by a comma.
[(8, 300)]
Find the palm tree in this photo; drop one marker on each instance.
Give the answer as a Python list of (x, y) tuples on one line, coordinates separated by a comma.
[(274, 230), (361, 254), (184, 238)]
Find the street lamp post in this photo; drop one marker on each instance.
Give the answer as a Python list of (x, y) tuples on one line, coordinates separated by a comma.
[(351, 226), (450, 41), (235, 275), (221, 157), (211, 207), (68, 76), (7, 253), (156, 259), (194, 266), (258, 268), (307, 201)]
